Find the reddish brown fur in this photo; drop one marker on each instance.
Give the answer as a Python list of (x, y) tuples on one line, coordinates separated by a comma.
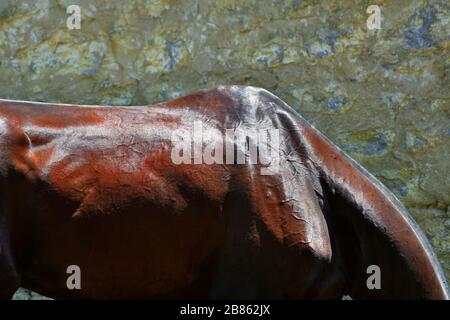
[(96, 187)]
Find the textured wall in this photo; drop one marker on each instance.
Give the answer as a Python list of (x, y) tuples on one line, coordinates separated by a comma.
[(383, 96)]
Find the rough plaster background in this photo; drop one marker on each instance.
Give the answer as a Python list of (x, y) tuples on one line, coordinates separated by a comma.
[(383, 96)]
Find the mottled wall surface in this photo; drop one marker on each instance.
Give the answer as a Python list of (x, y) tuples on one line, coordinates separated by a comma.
[(382, 95)]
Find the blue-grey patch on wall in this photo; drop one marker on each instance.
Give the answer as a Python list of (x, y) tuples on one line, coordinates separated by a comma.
[(376, 147), (335, 103), (417, 34)]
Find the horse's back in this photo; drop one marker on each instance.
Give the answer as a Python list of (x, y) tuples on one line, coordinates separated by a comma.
[(101, 191)]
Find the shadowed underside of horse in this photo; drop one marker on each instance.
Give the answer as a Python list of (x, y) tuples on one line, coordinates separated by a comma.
[(96, 187)]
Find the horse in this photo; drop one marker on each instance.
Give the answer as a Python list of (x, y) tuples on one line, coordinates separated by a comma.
[(97, 187)]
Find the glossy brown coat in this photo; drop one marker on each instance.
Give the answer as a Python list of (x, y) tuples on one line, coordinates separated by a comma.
[(95, 186)]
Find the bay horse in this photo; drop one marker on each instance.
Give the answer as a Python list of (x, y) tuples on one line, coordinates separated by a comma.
[(96, 187)]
